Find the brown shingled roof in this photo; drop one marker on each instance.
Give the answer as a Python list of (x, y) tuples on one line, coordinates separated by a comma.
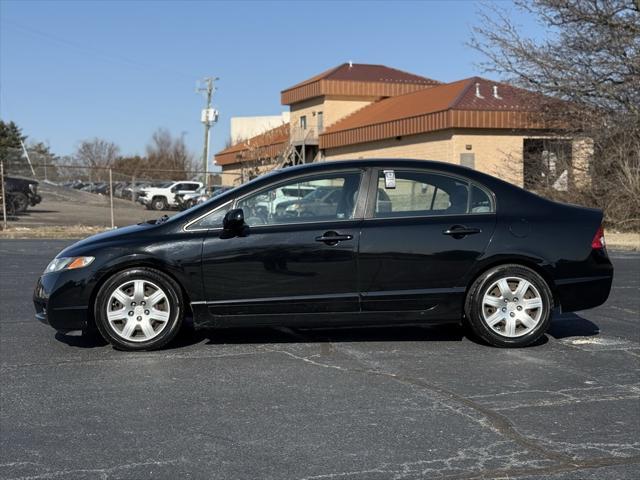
[(357, 79), (432, 109), (363, 72), (268, 144)]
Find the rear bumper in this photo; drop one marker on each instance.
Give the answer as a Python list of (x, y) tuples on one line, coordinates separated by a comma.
[(590, 290), (583, 293)]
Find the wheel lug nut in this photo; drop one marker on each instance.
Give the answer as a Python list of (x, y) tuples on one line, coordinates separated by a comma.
[(133, 304), (131, 314), (504, 309), (515, 299), (512, 314), (139, 318), (519, 307), (143, 303), (146, 312)]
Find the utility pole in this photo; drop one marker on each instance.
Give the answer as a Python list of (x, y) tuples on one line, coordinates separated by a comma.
[(208, 118)]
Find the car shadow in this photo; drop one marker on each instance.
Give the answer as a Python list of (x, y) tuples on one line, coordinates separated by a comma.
[(249, 335), (572, 325), (78, 340), (562, 326)]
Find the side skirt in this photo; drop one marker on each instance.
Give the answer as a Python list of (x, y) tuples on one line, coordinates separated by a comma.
[(202, 318)]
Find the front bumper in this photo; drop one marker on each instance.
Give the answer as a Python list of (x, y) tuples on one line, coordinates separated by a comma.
[(58, 303)]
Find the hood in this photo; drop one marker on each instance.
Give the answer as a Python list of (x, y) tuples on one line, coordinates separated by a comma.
[(81, 247)]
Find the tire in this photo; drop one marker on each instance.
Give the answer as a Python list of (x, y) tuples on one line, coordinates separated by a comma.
[(159, 203), (136, 326), (496, 314), (11, 205), (20, 202)]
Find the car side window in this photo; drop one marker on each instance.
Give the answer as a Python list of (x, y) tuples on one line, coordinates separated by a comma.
[(213, 219), (317, 198), (426, 194), (480, 201)]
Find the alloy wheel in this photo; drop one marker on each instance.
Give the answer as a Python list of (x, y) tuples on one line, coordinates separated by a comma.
[(138, 310), (512, 307)]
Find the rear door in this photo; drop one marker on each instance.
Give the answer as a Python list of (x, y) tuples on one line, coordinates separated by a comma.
[(422, 232)]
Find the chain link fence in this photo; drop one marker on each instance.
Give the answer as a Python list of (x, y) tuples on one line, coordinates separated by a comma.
[(37, 193)]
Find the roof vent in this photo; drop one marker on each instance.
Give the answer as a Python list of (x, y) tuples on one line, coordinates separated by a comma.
[(495, 92), (350, 64), (478, 91)]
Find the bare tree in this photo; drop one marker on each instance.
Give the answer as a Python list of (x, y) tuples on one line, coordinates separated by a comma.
[(168, 153), (98, 154), (586, 69)]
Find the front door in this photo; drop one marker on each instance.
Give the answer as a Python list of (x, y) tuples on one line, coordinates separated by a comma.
[(422, 233), (298, 257)]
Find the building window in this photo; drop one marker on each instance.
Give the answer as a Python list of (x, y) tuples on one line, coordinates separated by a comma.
[(303, 122), (320, 122)]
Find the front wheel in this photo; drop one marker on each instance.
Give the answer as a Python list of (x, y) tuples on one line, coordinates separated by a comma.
[(159, 203), (139, 309), (20, 202), (509, 306)]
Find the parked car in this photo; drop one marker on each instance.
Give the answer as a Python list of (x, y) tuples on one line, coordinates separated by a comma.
[(189, 199), (278, 199), (320, 201), (445, 244), (100, 188), (163, 196), (132, 191), (25, 192)]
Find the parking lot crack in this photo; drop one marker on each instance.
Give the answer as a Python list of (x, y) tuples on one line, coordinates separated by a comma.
[(489, 418)]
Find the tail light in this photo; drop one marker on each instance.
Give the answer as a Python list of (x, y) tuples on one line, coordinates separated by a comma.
[(598, 242)]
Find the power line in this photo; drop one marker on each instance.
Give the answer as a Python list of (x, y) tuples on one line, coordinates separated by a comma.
[(93, 51)]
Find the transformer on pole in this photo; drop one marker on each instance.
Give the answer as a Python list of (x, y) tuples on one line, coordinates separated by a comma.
[(208, 117)]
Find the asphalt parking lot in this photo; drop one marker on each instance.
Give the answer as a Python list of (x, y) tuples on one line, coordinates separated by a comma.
[(352, 404)]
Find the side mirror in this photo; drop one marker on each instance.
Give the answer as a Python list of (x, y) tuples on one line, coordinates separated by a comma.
[(233, 220)]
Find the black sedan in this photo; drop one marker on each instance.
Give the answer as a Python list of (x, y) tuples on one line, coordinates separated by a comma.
[(404, 242)]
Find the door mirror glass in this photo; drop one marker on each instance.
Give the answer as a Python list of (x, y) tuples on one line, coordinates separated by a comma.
[(234, 219)]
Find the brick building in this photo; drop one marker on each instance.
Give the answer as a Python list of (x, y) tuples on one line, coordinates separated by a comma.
[(373, 111)]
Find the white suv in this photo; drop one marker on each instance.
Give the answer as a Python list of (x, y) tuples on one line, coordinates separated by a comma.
[(163, 196)]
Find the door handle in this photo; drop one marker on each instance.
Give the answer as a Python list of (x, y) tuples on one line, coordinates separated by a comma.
[(459, 231), (332, 238)]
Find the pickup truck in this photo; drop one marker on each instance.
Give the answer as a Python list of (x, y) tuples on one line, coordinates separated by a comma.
[(163, 196), (24, 192)]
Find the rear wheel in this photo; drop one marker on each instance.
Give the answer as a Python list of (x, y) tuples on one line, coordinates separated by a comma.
[(509, 306), (139, 309)]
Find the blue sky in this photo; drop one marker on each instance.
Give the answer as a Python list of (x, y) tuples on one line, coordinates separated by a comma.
[(119, 70)]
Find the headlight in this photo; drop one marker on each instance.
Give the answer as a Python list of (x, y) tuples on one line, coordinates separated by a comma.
[(67, 263)]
